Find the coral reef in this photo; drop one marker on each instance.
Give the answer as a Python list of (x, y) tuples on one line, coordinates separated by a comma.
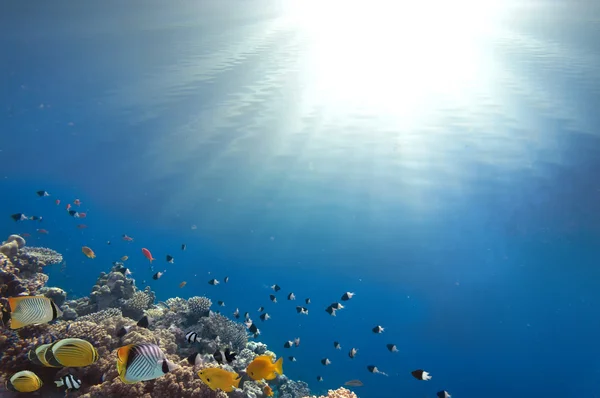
[(41, 256), (339, 393), (11, 246), (292, 389)]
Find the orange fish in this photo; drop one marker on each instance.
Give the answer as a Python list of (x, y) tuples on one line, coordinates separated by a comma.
[(42, 231), (88, 252), (182, 284), (77, 202), (127, 238), (68, 206), (26, 235), (57, 201), (82, 226), (147, 254), (267, 391), (82, 215)]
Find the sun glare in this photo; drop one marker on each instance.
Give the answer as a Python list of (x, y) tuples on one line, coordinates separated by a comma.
[(392, 55)]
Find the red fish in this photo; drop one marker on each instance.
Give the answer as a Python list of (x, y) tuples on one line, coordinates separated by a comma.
[(42, 231), (57, 201), (147, 254), (26, 235), (82, 226), (77, 202), (82, 215), (68, 206), (127, 238)]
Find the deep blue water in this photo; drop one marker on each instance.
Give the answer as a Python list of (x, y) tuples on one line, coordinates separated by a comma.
[(464, 214)]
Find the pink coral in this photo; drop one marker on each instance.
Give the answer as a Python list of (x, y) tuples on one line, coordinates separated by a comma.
[(339, 393)]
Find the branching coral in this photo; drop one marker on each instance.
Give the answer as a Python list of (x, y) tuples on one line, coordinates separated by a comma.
[(140, 301), (339, 393), (198, 307), (40, 256)]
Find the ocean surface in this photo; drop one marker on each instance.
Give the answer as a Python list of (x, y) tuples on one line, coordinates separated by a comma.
[(439, 159)]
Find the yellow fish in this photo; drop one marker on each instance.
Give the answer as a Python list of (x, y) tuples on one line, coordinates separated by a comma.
[(71, 353), (88, 252), (30, 310), (262, 367), (220, 378), (24, 381), (124, 258), (38, 356)]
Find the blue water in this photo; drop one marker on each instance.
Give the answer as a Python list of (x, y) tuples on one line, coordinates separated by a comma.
[(465, 214)]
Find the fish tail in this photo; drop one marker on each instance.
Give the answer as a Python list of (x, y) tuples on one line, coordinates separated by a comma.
[(279, 366), (236, 382), (59, 383)]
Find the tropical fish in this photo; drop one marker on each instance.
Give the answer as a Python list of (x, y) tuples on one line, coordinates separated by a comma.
[(24, 381), (337, 306), (182, 284), (319, 378), (127, 238), (77, 202), (36, 218), (307, 301), (217, 378), (226, 279), (170, 259), (262, 367), (25, 235), (221, 303), (192, 337), (420, 374), (144, 322), (347, 296), (288, 344), (292, 359), (264, 316), (236, 313), (252, 328), (158, 275), (183, 246), (276, 288), (19, 217), (325, 361), (352, 352), (82, 215), (57, 201), (443, 394), (72, 353), (392, 347), (81, 226), (42, 193), (88, 252), (226, 356), (124, 258), (291, 296), (38, 355), (68, 206), (297, 341), (267, 391), (213, 282), (147, 254), (378, 329), (69, 381), (42, 231), (261, 309), (373, 369), (330, 310), (337, 345), (354, 383), (140, 362), (273, 298), (302, 310), (74, 213), (30, 310)]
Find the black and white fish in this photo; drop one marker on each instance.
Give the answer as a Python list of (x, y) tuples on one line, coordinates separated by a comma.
[(158, 275), (337, 345), (213, 282), (292, 359), (36, 218), (392, 347), (288, 344), (19, 217), (291, 296), (265, 316), (337, 306), (273, 298), (69, 381), (443, 394), (42, 193), (252, 328), (170, 259), (261, 309), (74, 213), (247, 316), (325, 361), (319, 378), (183, 246), (226, 279), (352, 352), (347, 296), (420, 374), (373, 369), (223, 357), (330, 310), (307, 301), (192, 337), (195, 359), (297, 341), (378, 329), (144, 322), (221, 303), (302, 310), (236, 313), (276, 288)]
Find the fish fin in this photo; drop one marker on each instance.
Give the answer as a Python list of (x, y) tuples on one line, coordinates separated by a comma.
[(236, 382), (16, 324), (59, 383), (279, 366)]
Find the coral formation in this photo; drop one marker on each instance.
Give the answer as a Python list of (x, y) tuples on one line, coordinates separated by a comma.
[(113, 303), (339, 393)]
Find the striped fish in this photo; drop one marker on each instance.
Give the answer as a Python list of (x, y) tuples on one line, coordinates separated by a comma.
[(32, 310), (38, 355), (72, 353), (24, 381), (192, 337), (140, 362), (69, 381)]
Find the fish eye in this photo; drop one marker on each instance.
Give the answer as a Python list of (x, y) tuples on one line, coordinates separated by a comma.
[(207, 379)]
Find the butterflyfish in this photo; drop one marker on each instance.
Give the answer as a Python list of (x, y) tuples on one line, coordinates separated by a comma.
[(420, 374), (88, 252), (217, 378), (24, 381), (262, 367), (71, 353), (38, 355), (30, 310), (141, 362)]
